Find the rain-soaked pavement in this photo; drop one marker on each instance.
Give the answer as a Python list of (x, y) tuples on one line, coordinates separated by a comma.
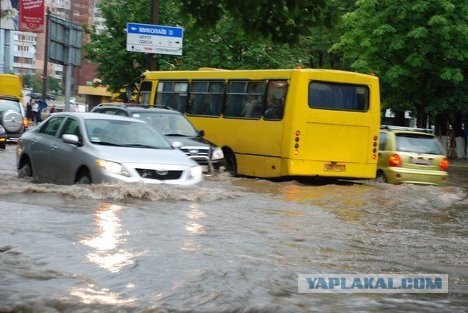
[(229, 245)]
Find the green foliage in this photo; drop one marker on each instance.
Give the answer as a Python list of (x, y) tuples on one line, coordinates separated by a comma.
[(27, 81), (36, 83), (116, 66), (225, 44), (418, 49), (282, 20)]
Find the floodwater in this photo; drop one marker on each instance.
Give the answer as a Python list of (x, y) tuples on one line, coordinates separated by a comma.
[(228, 245)]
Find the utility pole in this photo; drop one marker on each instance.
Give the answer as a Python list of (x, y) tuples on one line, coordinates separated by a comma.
[(46, 57), (151, 61)]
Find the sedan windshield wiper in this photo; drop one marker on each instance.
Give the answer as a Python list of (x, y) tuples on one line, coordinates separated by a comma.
[(138, 145), (106, 143)]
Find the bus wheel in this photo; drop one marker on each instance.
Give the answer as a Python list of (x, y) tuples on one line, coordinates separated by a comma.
[(231, 163)]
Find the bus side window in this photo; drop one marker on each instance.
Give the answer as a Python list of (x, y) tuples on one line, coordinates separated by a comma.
[(172, 94), (234, 98), (216, 98), (145, 92), (276, 96), (244, 99), (206, 98), (198, 98)]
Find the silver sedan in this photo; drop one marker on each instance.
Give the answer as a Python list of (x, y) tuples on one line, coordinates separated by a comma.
[(89, 148)]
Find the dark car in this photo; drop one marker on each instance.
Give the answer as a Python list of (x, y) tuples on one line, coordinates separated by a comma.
[(37, 96), (175, 127), (12, 117)]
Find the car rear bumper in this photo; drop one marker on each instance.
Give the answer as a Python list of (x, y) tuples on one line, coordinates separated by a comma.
[(399, 175)]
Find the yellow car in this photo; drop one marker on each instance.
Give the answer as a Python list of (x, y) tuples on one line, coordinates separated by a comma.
[(411, 156)]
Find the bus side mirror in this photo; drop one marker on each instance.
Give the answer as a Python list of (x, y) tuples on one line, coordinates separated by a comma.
[(201, 133)]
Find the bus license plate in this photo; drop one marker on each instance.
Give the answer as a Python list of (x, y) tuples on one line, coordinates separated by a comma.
[(333, 167)]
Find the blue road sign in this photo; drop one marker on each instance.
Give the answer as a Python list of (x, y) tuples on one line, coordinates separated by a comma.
[(156, 30), (154, 39)]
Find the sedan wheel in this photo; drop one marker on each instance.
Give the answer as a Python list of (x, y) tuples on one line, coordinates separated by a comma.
[(84, 178), (381, 177), (25, 170)]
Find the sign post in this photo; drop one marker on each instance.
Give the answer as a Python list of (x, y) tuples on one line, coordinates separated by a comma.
[(154, 39)]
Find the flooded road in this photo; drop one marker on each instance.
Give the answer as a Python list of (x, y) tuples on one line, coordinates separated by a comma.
[(229, 245)]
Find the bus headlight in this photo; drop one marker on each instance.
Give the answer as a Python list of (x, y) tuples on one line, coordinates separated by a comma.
[(196, 171), (113, 167), (217, 154)]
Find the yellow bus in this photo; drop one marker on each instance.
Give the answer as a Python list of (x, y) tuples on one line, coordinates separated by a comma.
[(11, 86), (273, 123)]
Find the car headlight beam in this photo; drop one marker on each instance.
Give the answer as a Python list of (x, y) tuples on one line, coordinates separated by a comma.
[(113, 167), (196, 171), (217, 154)]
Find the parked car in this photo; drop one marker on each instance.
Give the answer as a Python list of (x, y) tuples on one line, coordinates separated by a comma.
[(35, 96), (12, 117), (411, 156), (3, 138), (89, 148), (175, 127), (38, 96)]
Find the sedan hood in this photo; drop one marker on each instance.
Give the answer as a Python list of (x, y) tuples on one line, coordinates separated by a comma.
[(190, 141), (143, 155)]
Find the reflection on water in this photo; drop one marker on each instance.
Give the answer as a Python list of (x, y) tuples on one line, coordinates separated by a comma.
[(108, 254), (193, 227), (103, 296), (229, 245)]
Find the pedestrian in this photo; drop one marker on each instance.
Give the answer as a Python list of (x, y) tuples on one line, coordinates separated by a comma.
[(35, 111), (53, 109), (29, 110)]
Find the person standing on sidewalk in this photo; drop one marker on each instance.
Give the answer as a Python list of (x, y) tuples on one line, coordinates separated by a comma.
[(29, 114), (35, 112)]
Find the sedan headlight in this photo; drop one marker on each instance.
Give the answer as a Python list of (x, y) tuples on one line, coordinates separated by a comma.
[(196, 171), (113, 167), (217, 154)]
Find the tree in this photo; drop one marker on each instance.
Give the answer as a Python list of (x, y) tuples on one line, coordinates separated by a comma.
[(224, 45), (116, 66), (282, 20), (417, 48)]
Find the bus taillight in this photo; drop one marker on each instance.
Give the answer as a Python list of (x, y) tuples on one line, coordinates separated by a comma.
[(374, 151), (296, 140)]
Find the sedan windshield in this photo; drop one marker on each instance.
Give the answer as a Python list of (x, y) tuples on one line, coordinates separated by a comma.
[(124, 134), (168, 124), (6, 105), (418, 143)]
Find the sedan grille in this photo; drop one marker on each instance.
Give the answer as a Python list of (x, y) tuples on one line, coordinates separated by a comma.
[(159, 175), (191, 152)]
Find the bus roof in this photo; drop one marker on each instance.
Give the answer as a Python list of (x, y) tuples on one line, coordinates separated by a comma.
[(213, 73)]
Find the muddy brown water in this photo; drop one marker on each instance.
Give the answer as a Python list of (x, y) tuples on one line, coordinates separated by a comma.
[(228, 245)]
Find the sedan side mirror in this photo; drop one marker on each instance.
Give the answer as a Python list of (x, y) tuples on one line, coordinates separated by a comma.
[(176, 145), (72, 139), (201, 133)]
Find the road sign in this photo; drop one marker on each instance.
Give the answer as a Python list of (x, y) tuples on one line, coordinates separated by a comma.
[(154, 39)]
